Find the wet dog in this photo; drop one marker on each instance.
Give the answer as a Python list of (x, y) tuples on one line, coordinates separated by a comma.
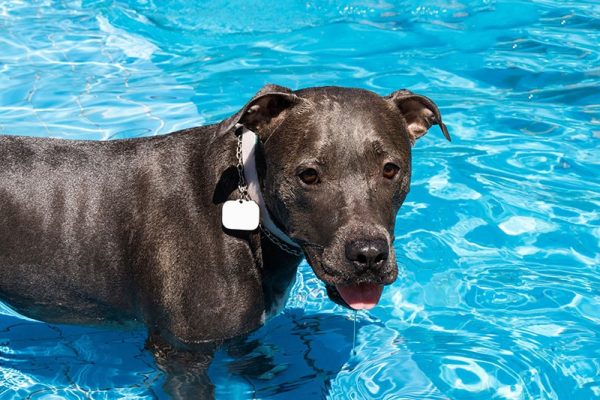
[(132, 230)]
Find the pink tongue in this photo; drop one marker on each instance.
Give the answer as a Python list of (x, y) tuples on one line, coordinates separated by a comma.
[(361, 295)]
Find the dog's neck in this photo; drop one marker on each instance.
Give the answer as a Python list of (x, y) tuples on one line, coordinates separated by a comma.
[(249, 139)]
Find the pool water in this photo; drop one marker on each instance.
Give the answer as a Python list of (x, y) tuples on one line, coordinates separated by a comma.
[(498, 241)]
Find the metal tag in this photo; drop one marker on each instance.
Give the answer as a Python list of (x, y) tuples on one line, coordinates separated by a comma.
[(240, 215)]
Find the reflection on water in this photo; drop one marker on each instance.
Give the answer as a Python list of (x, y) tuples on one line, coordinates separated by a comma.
[(498, 241)]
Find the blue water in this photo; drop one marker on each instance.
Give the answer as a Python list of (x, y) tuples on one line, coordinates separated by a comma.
[(498, 241)]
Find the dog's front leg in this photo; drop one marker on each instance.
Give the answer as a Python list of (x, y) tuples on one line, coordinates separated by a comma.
[(186, 371)]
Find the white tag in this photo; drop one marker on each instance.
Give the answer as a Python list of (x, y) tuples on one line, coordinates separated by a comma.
[(240, 215)]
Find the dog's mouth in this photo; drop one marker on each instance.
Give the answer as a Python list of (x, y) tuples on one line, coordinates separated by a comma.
[(357, 293), (357, 296)]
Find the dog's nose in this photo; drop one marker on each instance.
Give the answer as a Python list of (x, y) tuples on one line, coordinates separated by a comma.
[(366, 254)]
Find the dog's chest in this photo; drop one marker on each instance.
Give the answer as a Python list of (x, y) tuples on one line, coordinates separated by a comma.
[(278, 298)]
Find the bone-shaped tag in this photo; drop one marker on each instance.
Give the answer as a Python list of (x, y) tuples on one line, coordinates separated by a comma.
[(240, 215)]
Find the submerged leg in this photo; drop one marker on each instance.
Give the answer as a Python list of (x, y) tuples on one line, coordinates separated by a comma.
[(186, 371)]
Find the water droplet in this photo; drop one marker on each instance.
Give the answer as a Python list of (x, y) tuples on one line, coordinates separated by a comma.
[(353, 352)]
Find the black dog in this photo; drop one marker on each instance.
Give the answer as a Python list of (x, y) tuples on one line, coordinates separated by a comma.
[(131, 230)]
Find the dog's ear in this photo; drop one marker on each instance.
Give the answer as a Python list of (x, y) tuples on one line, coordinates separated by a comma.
[(419, 112), (269, 103)]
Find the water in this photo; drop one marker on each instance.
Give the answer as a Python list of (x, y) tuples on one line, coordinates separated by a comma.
[(498, 241)]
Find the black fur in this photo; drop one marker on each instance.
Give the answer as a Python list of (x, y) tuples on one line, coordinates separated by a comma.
[(129, 231)]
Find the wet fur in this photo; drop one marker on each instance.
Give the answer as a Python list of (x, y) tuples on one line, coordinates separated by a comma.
[(129, 231)]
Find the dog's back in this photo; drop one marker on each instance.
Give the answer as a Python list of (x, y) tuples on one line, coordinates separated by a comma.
[(56, 198), (70, 216)]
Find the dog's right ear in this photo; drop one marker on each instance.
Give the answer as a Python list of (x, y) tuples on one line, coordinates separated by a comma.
[(264, 108)]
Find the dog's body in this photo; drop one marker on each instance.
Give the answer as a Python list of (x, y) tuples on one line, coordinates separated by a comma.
[(130, 230), (119, 231)]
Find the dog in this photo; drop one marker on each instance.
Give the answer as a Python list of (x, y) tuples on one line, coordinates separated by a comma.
[(136, 231)]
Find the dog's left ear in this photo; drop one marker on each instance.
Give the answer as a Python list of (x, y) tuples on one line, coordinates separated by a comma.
[(419, 112), (264, 108)]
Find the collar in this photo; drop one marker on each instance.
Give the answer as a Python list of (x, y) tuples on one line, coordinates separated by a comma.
[(249, 140)]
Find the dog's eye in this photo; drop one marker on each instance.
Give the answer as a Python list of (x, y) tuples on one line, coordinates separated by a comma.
[(390, 170), (309, 176)]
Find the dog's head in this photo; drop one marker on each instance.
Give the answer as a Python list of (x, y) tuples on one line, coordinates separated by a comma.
[(335, 167)]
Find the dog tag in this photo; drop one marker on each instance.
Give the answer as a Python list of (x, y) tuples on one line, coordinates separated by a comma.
[(240, 215)]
